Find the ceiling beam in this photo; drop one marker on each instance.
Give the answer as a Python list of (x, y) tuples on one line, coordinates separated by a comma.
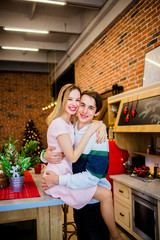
[(24, 56), (88, 3), (19, 41), (41, 22), (24, 66), (33, 9)]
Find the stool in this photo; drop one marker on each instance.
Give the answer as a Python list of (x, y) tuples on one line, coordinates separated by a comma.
[(65, 224)]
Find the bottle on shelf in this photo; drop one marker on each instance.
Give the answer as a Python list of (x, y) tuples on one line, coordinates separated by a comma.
[(149, 149), (156, 170)]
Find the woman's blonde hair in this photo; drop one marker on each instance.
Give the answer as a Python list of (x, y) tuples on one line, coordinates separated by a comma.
[(61, 102)]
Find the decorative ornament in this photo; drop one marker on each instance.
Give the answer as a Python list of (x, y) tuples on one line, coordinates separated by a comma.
[(126, 109), (133, 113), (127, 118), (15, 171)]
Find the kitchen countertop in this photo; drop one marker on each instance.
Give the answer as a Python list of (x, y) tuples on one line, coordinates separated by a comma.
[(150, 188), (26, 203)]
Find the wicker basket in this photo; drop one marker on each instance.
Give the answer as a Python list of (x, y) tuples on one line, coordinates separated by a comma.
[(4, 180)]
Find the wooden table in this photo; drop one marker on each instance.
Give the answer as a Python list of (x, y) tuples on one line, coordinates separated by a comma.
[(45, 210)]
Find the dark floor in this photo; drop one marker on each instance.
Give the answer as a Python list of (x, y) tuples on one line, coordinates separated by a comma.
[(124, 234)]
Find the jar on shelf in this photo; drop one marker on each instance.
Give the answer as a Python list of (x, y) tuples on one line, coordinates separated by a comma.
[(149, 149)]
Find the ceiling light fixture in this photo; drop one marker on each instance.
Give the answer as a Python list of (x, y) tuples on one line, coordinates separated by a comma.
[(20, 48), (50, 2), (25, 30)]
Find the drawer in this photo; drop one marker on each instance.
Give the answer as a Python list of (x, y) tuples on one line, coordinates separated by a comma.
[(122, 215), (122, 191)]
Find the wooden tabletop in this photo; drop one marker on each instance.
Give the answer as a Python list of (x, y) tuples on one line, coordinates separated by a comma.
[(25, 203)]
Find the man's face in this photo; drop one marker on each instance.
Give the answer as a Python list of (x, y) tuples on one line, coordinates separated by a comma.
[(86, 110)]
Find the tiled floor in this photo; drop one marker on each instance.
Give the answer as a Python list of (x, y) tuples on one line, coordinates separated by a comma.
[(124, 234)]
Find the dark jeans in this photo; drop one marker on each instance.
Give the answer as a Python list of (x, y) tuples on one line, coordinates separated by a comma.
[(90, 224)]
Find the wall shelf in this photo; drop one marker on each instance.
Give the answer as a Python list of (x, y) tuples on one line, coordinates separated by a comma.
[(137, 137), (146, 154), (147, 117), (119, 99)]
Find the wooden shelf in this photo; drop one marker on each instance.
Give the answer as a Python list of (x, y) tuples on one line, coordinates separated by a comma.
[(131, 95), (139, 123), (146, 154)]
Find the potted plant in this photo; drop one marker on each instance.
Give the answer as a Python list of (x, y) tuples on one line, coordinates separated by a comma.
[(13, 164)]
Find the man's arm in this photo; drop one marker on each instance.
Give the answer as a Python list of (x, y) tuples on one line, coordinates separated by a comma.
[(74, 181), (42, 156), (96, 168), (52, 157), (78, 180)]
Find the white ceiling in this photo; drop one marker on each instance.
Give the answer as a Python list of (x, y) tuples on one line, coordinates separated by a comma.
[(68, 26)]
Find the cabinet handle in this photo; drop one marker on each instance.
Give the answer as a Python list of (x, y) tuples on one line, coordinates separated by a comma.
[(121, 191), (122, 214)]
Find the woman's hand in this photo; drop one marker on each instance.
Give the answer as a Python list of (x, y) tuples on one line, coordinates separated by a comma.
[(53, 157), (101, 134), (93, 127), (50, 180)]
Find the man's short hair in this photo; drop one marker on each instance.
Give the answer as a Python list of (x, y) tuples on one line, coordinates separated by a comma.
[(97, 97)]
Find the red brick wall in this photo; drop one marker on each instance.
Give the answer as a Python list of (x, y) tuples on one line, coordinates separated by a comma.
[(118, 56), (22, 97)]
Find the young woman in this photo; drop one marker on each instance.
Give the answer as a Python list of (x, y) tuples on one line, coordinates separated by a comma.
[(60, 133)]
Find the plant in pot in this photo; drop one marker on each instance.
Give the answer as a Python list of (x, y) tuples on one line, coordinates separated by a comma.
[(29, 150), (13, 164)]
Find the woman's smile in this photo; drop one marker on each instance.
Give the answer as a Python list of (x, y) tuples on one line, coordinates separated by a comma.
[(72, 108)]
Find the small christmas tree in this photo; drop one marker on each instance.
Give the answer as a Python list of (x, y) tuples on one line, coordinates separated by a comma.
[(31, 133)]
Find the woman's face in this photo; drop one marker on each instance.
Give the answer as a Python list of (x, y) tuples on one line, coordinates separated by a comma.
[(73, 102)]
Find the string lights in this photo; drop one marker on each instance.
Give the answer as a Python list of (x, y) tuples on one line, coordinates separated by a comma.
[(49, 106), (50, 71)]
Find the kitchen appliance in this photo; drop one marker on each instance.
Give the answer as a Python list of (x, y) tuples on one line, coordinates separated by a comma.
[(145, 216), (117, 157)]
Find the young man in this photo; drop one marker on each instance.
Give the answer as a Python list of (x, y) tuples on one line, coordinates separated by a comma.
[(90, 169)]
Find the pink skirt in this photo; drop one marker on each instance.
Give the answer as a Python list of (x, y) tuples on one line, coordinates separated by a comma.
[(76, 198)]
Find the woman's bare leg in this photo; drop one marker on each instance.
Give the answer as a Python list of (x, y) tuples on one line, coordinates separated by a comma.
[(104, 195)]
